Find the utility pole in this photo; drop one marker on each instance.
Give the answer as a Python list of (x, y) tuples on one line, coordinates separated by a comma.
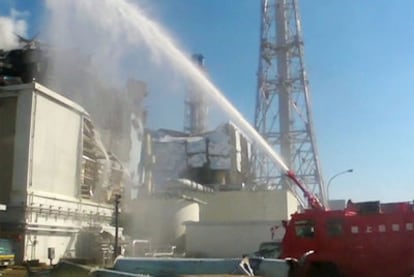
[(283, 114)]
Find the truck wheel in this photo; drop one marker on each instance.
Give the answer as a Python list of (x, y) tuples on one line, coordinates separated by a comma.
[(323, 270)]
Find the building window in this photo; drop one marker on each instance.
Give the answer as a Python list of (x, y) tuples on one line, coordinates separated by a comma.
[(382, 228), (409, 226), (334, 227), (354, 229), (305, 229), (395, 227)]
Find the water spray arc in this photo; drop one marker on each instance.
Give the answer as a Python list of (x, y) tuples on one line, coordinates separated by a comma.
[(283, 109), (133, 21), (127, 23)]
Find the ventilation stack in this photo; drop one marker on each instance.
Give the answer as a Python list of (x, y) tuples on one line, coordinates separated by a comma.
[(195, 103)]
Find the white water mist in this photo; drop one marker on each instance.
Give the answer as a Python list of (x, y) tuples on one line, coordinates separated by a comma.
[(120, 29)]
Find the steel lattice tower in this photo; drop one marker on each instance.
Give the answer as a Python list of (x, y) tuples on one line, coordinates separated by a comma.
[(283, 108)]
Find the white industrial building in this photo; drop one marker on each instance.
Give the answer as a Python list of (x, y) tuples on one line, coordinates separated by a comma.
[(56, 177), (200, 200)]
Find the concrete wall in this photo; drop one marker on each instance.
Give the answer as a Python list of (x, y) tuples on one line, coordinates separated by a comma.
[(293, 205), (236, 222), (242, 205), (161, 220), (223, 240)]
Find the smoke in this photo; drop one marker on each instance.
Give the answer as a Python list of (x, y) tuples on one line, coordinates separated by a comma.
[(98, 30), (10, 26), (121, 40), (114, 50), (96, 51)]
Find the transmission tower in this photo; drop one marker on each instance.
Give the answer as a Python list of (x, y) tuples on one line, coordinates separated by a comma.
[(195, 113), (283, 109)]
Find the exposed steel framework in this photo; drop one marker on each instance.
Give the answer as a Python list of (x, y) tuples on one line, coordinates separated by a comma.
[(283, 107)]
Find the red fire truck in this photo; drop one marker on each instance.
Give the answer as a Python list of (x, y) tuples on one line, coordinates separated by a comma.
[(364, 239)]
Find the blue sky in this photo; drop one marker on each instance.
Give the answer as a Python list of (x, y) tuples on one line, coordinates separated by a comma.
[(359, 57)]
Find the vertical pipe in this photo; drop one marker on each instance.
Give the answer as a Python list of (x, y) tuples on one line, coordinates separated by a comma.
[(117, 200)]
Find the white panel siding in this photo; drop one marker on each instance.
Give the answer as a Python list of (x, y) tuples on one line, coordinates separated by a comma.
[(55, 148)]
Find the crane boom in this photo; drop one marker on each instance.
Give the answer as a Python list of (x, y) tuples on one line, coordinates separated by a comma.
[(313, 201)]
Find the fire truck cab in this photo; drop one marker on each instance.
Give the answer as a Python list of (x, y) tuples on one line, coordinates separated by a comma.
[(364, 239)]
